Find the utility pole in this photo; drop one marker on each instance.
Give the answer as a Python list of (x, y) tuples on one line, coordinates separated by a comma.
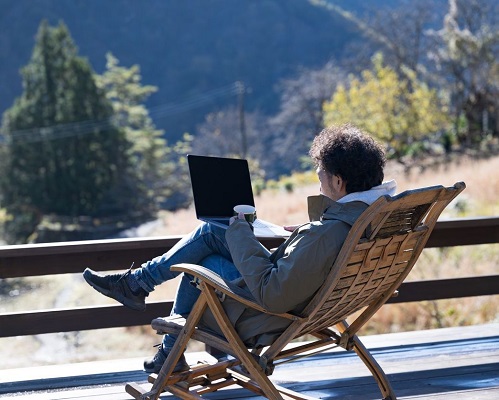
[(241, 90)]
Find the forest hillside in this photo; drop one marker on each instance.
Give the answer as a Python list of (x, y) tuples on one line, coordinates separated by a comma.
[(193, 51)]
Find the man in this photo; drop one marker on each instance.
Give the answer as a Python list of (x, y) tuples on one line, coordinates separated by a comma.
[(350, 170)]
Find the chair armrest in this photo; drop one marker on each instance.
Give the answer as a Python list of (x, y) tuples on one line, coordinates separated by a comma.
[(216, 281)]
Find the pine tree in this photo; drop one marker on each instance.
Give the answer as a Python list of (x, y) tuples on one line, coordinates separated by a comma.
[(160, 172), (63, 155), (148, 148)]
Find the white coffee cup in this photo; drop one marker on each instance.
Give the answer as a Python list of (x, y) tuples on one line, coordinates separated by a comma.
[(248, 211)]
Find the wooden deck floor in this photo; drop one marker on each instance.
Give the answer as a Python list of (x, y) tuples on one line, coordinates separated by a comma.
[(441, 364)]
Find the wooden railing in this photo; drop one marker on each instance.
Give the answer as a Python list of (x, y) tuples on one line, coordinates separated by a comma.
[(74, 257)]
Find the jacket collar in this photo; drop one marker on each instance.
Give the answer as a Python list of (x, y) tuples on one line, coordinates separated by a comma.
[(349, 207), (322, 208), (371, 195)]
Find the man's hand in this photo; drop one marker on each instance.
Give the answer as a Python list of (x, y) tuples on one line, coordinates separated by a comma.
[(290, 228), (238, 216)]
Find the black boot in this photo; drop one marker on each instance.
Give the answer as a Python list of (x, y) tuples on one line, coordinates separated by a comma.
[(155, 363), (116, 287)]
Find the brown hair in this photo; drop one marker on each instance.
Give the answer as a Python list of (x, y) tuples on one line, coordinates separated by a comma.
[(350, 153)]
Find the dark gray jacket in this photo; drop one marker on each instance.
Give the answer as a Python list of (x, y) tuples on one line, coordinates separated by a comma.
[(285, 280)]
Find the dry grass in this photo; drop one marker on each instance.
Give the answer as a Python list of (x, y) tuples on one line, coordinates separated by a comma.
[(277, 205), (284, 208), (481, 178)]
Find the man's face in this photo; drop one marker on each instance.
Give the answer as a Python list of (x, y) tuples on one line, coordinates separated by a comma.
[(324, 179), (328, 188)]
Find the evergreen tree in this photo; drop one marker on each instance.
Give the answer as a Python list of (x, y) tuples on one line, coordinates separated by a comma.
[(157, 166), (63, 154), (148, 148)]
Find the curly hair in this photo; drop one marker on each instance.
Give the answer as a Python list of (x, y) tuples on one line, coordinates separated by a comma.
[(350, 153)]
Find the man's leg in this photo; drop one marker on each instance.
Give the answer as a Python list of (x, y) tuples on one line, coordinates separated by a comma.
[(186, 296), (132, 287), (204, 241)]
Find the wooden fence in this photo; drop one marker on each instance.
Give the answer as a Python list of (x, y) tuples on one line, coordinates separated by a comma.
[(74, 257)]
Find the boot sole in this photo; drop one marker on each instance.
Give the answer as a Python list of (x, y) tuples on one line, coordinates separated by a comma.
[(178, 368)]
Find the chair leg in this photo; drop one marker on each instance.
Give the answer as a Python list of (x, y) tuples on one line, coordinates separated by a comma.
[(178, 348), (251, 365), (377, 372), (373, 366)]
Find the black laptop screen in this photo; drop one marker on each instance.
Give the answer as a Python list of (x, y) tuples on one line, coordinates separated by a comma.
[(219, 184)]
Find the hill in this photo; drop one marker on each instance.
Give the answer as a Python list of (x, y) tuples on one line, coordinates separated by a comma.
[(193, 51)]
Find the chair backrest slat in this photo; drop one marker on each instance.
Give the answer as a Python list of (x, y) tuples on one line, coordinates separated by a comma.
[(356, 287)]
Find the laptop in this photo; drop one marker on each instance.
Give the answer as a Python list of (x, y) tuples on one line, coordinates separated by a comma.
[(219, 184)]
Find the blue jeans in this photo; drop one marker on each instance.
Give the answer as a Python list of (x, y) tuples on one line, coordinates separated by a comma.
[(205, 246)]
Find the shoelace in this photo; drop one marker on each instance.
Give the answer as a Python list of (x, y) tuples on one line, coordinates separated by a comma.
[(128, 272), (135, 291), (159, 352)]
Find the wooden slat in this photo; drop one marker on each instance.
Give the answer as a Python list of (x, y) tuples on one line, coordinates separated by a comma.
[(437, 289), (78, 319), (73, 257), (463, 232), (67, 320), (359, 253), (347, 282), (58, 258), (447, 289), (438, 364)]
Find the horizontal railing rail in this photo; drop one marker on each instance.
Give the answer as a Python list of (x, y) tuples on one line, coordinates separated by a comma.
[(74, 257)]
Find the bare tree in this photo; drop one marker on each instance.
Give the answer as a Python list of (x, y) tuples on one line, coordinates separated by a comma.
[(220, 134), (466, 55), (401, 33), (301, 114), (454, 50), (398, 32)]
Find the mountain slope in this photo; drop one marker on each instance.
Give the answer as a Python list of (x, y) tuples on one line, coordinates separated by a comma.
[(189, 49)]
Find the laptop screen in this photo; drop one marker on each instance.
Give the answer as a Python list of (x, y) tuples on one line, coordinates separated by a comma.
[(219, 184)]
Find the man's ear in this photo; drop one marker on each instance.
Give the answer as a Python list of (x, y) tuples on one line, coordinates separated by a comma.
[(336, 182), (339, 184)]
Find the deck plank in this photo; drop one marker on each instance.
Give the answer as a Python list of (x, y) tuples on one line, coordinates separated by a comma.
[(441, 364)]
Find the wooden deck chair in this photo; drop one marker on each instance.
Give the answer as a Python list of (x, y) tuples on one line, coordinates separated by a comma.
[(379, 252)]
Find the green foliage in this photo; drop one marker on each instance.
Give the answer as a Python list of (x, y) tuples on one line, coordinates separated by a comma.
[(288, 186), (289, 183), (124, 90), (63, 156), (174, 185), (397, 110), (160, 170)]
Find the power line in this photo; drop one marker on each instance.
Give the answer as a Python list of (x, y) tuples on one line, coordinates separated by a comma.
[(55, 132), (80, 128), (176, 108)]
